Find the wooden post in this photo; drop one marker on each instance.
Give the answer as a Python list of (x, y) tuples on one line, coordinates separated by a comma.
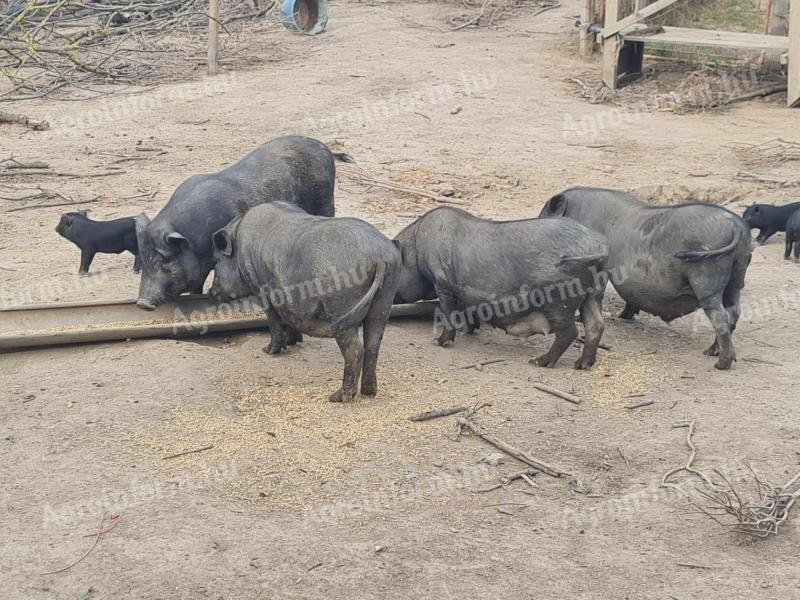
[(213, 37), (587, 17), (793, 66), (611, 46)]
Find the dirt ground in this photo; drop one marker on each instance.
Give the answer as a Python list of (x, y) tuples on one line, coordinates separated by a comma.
[(300, 498)]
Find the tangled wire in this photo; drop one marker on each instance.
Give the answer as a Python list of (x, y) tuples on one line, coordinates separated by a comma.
[(51, 45)]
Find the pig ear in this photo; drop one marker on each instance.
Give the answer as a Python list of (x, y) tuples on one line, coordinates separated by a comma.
[(223, 242), (557, 205), (175, 240), (83, 212)]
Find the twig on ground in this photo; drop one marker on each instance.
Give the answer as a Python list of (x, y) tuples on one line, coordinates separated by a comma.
[(688, 466), (520, 455), (7, 117), (558, 393), (435, 414), (525, 475), (361, 176), (89, 551), (641, 404), (195, 451), (54, 204), (483, 363)]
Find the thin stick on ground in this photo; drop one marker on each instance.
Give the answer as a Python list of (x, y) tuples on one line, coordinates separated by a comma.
[(89, 551), (483, 363), (435, 414), (520, 455), (688, 466), (555, 392), (54, 204), (195, 451), (360, 176), (525, 475)]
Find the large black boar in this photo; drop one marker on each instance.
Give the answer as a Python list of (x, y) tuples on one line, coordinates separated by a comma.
[(176, 246), (315, 275), (669, 261), (769, 219), (524, 277)]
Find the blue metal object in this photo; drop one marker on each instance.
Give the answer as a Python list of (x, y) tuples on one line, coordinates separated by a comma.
[(305, 16)]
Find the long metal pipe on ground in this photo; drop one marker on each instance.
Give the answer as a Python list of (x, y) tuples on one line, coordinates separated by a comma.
[(39, 325)]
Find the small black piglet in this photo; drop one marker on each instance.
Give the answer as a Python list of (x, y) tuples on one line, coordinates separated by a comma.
[(112, 237), (769, 219)]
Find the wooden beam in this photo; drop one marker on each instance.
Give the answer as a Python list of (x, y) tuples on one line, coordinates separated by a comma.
[(587, 17), (793, 95), (611, 46), (213, 37), (639, 15)]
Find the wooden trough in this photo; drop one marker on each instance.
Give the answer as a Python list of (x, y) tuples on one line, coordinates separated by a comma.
[(40, 325)]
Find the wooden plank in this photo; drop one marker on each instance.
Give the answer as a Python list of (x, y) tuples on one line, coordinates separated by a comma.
[(705, 37), (611, 46), (794, 54), (639, 15), (587, 17), (213, 37)]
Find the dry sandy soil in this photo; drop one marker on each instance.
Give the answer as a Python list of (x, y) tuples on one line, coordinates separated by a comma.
[(303, 499)]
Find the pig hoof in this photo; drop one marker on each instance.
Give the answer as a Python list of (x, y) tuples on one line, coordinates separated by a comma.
[(369, 388), (274, 348), (341, 396), (294, 338), (723, 365), (544, 361), (446, 337), (584, 364)]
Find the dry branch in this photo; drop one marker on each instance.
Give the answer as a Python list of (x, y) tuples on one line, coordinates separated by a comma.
[(759, 518), (555, 392), (49, 46), (688, 466), (520, 455), (435, 414), (360, 176), (525, 475), (7, 117)]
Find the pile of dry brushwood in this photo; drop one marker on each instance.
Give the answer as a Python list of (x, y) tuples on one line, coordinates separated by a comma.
[(62, 45)]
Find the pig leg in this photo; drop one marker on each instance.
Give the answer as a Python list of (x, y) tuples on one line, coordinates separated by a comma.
[(721, 322), (765, 234), (563, 324), (447, 305), (373, 334), (137, 263), (277, 330), (593, 326), (629, 312), (87, 256), (293, 336), (353, 355), (797, 250), (789, 243)]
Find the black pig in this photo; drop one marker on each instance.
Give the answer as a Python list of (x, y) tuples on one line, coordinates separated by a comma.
[(111, 237), (793, 235), (769, 219)]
